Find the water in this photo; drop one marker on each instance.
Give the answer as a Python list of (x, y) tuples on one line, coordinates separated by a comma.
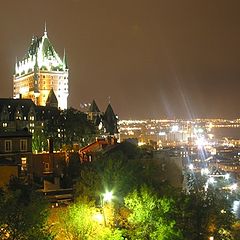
[(226, 132)]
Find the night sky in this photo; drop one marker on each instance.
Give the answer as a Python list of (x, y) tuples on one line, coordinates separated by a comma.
[(155, 59)]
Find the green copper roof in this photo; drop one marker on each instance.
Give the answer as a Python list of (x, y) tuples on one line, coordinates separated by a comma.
[(41, 51)]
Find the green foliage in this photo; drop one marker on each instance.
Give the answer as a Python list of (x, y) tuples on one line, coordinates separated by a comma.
[(67, 128), (23, 214), (79, 222), (149, 216), (203, 214), (39, 141), (108, 172), (77, 128)]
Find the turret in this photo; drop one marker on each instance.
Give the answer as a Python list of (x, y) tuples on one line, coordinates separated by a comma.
[(110, 121), (65, 64)]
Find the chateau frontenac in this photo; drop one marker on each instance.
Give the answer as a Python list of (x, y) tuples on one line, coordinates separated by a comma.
[(42, 74)]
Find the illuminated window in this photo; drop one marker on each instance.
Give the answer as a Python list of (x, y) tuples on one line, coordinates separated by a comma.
[(4, 124), (23, 163), (23, 145), (8, 145)]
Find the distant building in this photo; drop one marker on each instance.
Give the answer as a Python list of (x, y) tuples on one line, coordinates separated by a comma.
[(17, 114), (106, 121), (41, 73)]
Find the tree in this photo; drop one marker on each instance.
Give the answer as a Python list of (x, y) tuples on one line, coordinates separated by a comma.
[(83, 221), (149, 217), (202, 214), (39, 141), (23, 214), (77, 128), (114, 172)]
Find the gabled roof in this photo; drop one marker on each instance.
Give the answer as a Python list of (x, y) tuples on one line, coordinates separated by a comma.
[(93, 107), (109, 111), (26, 106), (52, 99), (12, 105), (19, 133), (45, 112)]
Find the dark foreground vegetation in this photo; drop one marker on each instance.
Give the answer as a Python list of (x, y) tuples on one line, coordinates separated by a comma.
[(140, 206)]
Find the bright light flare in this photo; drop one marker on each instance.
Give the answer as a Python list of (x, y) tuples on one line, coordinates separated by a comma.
[(201, 142), (227, 176), (204, 171), (175, 128), (191, 167), (107, 197), (233, 187), (211, 180)]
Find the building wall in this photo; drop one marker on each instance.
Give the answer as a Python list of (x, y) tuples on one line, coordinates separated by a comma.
[(58, 80), (47, 163), (6, 172), (16, 141)]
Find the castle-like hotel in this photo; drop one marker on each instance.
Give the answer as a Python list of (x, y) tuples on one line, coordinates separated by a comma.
[(42, 75)]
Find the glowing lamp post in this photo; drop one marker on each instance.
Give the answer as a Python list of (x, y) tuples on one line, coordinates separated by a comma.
[(106, 197)]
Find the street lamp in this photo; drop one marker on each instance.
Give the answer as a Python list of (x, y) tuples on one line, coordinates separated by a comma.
[(106, 197)]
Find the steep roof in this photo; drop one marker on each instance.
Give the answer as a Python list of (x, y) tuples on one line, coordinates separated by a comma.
[(12, 105), (110, 120), (52, 99), (19, 133), (93, 107), (41, 51)]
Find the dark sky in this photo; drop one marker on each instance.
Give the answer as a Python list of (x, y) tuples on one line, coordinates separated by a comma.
[(156, 59)]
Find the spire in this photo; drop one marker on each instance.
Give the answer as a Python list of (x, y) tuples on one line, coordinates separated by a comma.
[(93, 107), (45, 29), (65, 64), (110, 120), (16, 66)]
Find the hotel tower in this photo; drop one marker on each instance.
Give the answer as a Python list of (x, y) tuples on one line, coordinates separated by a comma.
[(41, 74)]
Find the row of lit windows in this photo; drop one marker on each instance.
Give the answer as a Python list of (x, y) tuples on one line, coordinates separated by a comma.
[(19, 118), (52, 77)]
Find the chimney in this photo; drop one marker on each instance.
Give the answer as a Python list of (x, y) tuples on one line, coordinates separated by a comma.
[(50, 145)]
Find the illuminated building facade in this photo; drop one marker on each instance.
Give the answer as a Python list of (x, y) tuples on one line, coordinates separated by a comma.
[(40, 73)]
